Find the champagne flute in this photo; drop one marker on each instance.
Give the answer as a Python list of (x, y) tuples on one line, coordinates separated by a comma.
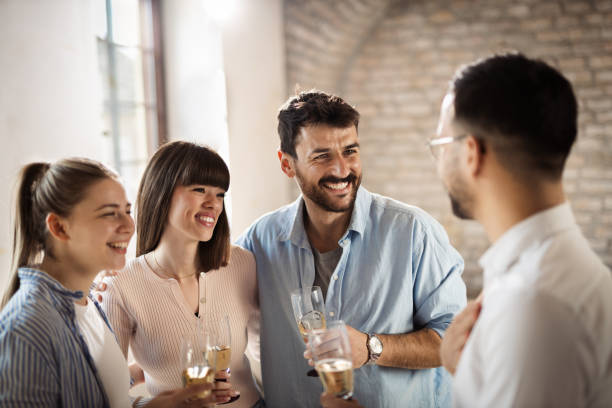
[(331, 353), (198, 367), (220, 341), (309, 312), (308, 309)]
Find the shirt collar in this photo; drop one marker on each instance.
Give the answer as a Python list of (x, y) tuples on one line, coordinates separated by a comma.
[(536, 228), (36, 276), (296, 232)]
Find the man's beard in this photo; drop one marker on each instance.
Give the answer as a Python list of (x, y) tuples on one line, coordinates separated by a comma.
[(461, 201), (316, 192)]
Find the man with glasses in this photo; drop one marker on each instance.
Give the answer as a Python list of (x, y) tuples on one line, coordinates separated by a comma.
[(387, 269), (544, 333), (541, 333)]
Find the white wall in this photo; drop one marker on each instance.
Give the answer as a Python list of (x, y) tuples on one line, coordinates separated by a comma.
[(49, 104), (254, 61), (203, 102)]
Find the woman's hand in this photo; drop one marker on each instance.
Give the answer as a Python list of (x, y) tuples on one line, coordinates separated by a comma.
[(222, 390), (100, 285)]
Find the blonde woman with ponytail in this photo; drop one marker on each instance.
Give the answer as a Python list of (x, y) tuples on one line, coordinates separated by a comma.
[(72, 220)]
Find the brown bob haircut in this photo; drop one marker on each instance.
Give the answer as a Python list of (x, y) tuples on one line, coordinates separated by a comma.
[(181, 164)]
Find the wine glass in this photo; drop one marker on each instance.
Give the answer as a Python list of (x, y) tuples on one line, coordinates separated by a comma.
[(198, 366), (220, 341), (308, 309), (331, 353)]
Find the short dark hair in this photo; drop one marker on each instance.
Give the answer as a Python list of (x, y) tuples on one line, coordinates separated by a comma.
[(181, 164), (312, 108), (526, 109)]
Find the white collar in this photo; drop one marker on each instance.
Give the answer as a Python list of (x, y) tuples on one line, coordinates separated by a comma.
[(536, 228)]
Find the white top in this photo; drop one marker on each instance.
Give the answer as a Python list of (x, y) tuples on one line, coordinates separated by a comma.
[(104, 350), (150, 314), (544, 336)]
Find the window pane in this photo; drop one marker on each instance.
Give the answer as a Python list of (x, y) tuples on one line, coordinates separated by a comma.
[(103, 69), (149, 72), (130, 83), (126, 22), (131, 174), (132, 134)]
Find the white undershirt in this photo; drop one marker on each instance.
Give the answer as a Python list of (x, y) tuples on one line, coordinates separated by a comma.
[(105, 352)]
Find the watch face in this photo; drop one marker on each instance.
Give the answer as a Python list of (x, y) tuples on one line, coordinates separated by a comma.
[(375, 345)]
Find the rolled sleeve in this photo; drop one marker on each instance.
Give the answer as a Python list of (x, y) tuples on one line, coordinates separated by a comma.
[(439, 291)]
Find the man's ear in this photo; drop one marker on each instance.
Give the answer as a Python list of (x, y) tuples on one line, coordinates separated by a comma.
[(286, 163), (475, 155), (57, 227)]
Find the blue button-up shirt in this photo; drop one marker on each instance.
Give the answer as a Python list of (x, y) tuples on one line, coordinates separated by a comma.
[(398, 273), (44, 360)]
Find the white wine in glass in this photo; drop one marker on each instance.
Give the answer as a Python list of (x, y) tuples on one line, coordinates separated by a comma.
[(331, 353), (220, 342), (308, 309), (198, 368)]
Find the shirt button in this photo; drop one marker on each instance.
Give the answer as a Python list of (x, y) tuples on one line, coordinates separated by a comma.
[(335, 277), (202, 300), (331, 314)]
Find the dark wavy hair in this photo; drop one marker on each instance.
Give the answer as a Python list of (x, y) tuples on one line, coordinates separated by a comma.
[(312, 108), (181, 164)]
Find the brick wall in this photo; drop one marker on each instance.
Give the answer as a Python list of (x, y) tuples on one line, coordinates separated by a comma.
[(393, 60)]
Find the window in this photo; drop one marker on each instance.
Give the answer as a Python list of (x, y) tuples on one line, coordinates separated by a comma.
[(130, 60)]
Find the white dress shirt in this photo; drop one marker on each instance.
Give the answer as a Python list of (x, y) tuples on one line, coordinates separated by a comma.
[(544, 336)]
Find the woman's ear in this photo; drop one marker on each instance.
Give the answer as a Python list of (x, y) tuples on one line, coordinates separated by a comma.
[(286, 163), (57, 227)]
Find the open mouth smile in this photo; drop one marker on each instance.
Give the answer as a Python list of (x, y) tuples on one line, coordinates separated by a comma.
[(205, 220), (119, 247)]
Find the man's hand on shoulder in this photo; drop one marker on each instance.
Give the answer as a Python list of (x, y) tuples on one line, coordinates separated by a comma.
[(100, 285), (458, 333)]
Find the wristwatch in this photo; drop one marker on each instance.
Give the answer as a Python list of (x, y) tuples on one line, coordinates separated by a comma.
[(375, 348)]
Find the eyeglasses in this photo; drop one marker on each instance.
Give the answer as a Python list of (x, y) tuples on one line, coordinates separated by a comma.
[(435, 144)]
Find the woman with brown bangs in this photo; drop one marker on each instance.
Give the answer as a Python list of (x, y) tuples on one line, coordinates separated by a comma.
[(186, 269)]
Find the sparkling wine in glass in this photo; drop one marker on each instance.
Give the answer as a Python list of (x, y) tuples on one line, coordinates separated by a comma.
[(198, 367), (308, 309), (220, 341), (331, 353)]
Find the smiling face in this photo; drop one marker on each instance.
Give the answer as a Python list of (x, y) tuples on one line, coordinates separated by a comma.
[(328, 166), (194, 211), (99, 227)]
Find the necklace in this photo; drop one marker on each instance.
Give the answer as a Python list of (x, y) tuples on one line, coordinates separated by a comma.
[(163, 272)]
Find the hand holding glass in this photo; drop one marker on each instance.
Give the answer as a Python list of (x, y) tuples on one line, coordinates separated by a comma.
[(331, 353)]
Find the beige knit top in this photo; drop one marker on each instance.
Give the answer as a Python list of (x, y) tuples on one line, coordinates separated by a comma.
[(150, 314)]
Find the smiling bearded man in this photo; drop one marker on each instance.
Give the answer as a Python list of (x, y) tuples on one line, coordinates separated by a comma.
[(385, 268)]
